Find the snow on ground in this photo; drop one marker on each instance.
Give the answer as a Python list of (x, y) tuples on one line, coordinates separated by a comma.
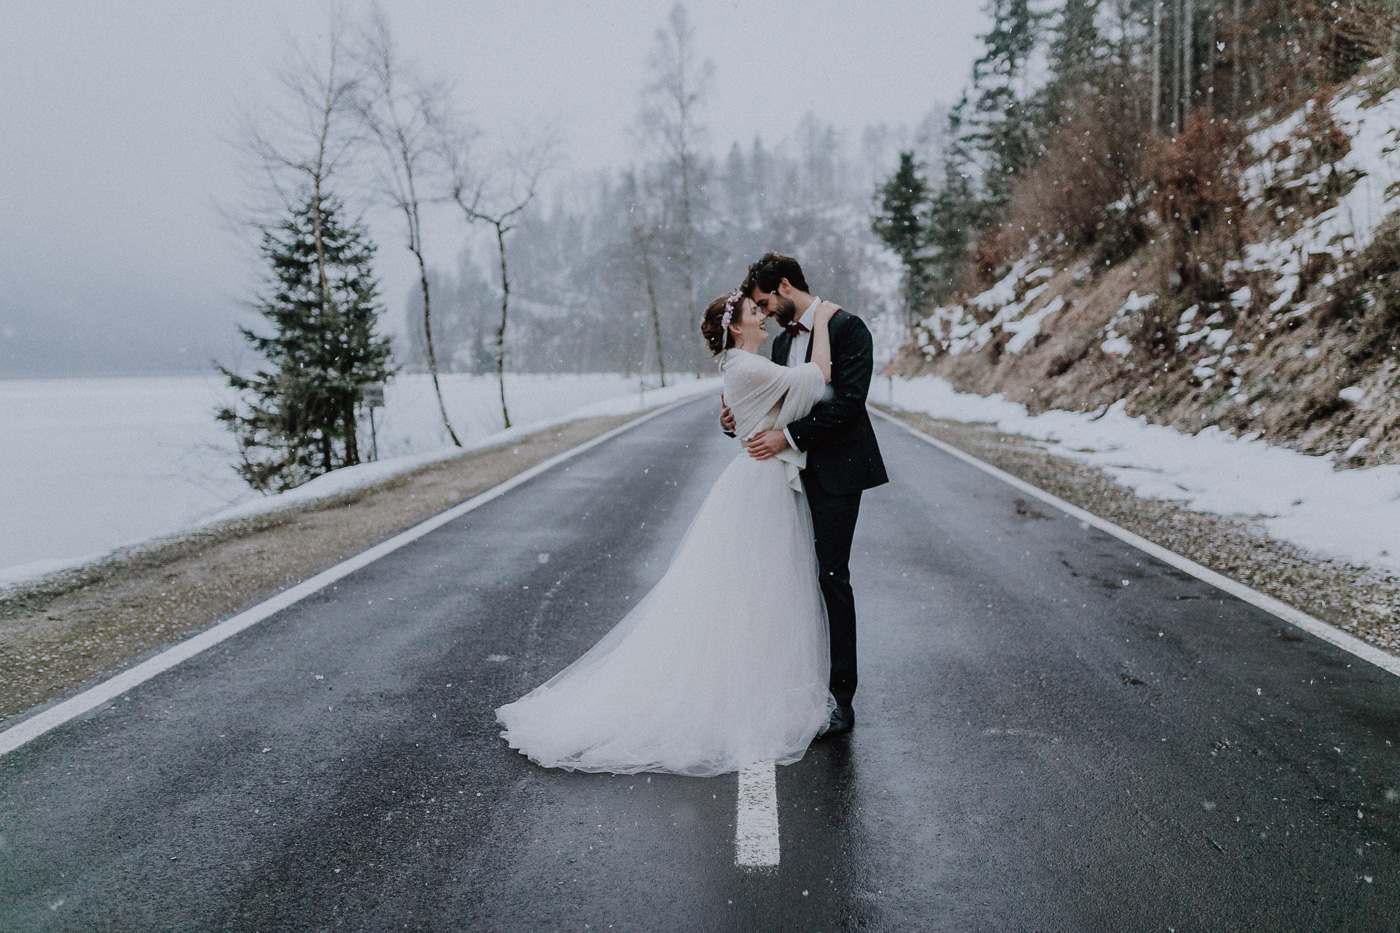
[(1350, 225), (1116, 343), (89, 465), (1350, 515), (958, 330), (367, 474)]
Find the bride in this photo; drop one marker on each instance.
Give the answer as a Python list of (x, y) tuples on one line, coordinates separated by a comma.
[(726, 661)]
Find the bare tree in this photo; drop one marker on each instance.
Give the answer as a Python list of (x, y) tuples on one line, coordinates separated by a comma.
[(645, 229), (402, 113), (496, 201), (299, 146), (669, 119), (1156, 65)]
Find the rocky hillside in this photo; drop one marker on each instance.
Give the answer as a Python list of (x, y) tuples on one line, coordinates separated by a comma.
[(1280, 318)]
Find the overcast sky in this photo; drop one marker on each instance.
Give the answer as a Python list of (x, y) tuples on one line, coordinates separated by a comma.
[(116, 117)]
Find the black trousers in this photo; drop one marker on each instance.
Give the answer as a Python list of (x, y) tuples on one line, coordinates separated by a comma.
[(834, 521)]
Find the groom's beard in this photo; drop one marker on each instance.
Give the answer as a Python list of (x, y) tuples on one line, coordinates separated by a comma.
[(784, 310)]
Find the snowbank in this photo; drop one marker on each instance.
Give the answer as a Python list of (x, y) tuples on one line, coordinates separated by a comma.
[(361, 475), (1349, 515), (92, 465)]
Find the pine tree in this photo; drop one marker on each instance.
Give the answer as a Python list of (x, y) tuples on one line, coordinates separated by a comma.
[(296, 418), (956, 213), (902, 223), (1001, 124), (738, 190), (1076, 52)]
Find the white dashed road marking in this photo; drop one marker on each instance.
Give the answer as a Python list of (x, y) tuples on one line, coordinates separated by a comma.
[(756, 828)]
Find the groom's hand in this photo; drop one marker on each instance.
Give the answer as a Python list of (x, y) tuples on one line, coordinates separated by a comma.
[(767, 445)]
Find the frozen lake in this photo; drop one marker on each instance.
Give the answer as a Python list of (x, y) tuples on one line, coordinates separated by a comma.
[(87, 465)]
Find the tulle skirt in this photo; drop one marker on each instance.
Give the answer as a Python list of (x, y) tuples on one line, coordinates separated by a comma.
[(725, 662)]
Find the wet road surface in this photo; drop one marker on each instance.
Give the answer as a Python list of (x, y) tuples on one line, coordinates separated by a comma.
[(1054, 732)]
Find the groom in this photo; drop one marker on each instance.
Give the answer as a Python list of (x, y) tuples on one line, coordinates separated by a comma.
[(843, 458)]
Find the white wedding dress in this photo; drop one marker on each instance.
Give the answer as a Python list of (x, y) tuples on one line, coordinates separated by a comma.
[(726, 661)]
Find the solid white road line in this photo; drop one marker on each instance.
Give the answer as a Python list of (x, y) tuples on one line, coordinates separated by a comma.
[(60, 713), (1287, 613), (756, 826)]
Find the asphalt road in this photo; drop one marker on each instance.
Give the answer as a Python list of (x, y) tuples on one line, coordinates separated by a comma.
[(1055, 732)]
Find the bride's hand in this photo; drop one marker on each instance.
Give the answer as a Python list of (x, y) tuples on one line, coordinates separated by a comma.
[(826, 310)]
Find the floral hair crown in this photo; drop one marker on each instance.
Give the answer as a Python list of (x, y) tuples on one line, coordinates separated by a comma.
[(729, 308)]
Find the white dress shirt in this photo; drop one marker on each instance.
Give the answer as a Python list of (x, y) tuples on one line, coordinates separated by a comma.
[(797, 351)]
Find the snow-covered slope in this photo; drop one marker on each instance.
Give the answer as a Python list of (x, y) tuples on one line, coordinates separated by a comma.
[(1302, 348), (1183, 398)]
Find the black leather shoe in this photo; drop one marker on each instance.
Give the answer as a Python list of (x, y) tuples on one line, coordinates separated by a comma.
[(843, 720)]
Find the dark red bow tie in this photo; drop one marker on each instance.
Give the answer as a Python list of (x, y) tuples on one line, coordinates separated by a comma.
[(793, 329)]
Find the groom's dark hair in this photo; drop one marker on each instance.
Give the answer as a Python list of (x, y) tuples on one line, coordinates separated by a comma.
[(772, 269)]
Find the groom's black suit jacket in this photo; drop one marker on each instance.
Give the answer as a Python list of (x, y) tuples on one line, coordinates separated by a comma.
[(842, 454)]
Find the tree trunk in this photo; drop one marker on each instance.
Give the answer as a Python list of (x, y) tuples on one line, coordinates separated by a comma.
[(501, 331), (347, 415), (428, 340), (655, 311), (1212, 29), (352, 451), (415, 243), (1157, 65), (318, 236), (1188, 77), (687, 259), (1176, 65), (1238, 62)]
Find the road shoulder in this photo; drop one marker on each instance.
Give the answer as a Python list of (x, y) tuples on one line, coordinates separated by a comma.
[(76, 626)]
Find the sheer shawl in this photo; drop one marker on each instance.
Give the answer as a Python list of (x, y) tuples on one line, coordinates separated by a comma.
[(753, 385)]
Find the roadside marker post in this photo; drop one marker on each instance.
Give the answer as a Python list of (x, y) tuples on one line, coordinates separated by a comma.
[(373, 397)]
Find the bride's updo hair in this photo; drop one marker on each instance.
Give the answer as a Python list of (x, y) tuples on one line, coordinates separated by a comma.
[(717, 336)]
